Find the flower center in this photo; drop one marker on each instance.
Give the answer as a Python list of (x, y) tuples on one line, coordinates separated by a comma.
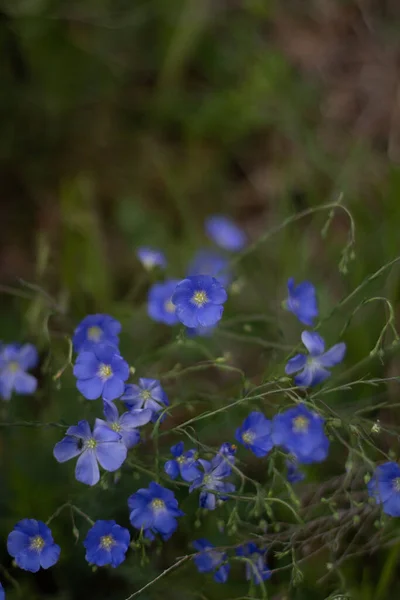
[(200, 298), (116, 427), (148, 261), (169, 306), (248, 437), (91, 443), (300, 424), (145, 395), (13, 366), (105, 371), (396, 484), (181, 460), (207, 480), (37, 543), (107, 542), (158, 504), (94, 333)]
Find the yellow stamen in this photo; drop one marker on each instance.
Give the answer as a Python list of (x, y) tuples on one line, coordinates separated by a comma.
[(91, 443), (37, 543), (94, 333), (200, 298), (300, 424), (116, 427), (396, 484), (169, 306), (158, 504), (105, 371), (145, 395), (107, 542), (13, 366), (248, 437)]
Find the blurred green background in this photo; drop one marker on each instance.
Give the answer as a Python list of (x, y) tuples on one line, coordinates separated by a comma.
[(128, 123)]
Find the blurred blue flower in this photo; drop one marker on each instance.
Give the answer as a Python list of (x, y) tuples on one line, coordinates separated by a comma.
[(294, 474), (148, 394), (2, 593), (225, 233), (313, 367), (101, 372), (15, 360), (198, 300), (106, 544), (384, 486), (302, 301), (126, 424), (301, 432), (150, 258), (183, 464), (154, 510), (211, 560), (258, 570), (32, 546), (211, 481), (200, 331), (94, 330), (159, 305), (209, 262), (103, 445), (255, 434)]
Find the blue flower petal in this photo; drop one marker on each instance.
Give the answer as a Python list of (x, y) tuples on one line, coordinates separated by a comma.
[(313, 342), (87, 469), (172, 469), (295, 364), (333, 356)]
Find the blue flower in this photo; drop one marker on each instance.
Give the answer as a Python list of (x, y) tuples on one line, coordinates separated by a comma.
[(103, 445), (384, 486), (255, 434), (154, 510), (225, 233), (126, 424), (301, 432), (228, 450), (302, 301), (94, 330), (148, 394), (211, 560), (183, 464), (198, 300), (32, 546), (294, 474), (312, 367), (106, 544), (256, 570), (101, 372), (15, 360), (212, 480), (150, 258), (208, 262), (159, 306), (2, 593)]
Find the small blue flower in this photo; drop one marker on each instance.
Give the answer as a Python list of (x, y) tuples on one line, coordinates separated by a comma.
[(294, 474), (106, 544), (103, 445), (228, 450), (255, 434), (209, 560), (148, 394), (94, 330), (312, 367), (2, 593), (32, 546), (154, 510), (184, 463), (126, 424), (212, 480), (15, 360), (301, 432), (208, 262), (101, 372), (150, 258), (159, 306), (384, 486), (198, 300), (258, 570), (302, 301), (225, 233)]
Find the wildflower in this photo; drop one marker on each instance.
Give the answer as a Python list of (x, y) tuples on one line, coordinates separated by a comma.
[(302, 301), (154, 510), (94, 330), (150, 258), (198, 300), (106, 544), (312, 367), (301, 432), (32, 546), (225, 233), (148, 394), (15, 360), (183, 463), (207, 262), (126, 424), (211, 481), (103, 445), (294, 474), (256, 568), (101, 372), (159, 306), (211, 560), (228, 450), (384, 486), (255, 434)]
